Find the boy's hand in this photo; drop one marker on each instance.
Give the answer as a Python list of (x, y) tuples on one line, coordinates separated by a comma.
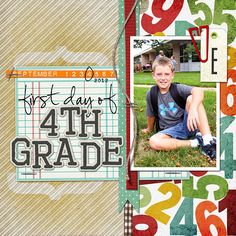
[(145, 131), (193, 120)]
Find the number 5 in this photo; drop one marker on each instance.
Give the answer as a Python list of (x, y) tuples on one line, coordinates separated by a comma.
[(196, 7), (203, 182), (220, 18)]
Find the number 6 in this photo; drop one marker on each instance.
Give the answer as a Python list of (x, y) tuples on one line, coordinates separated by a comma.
[(205, 223)]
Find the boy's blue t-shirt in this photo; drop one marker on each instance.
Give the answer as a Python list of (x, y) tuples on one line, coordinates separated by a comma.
[(169, 113)]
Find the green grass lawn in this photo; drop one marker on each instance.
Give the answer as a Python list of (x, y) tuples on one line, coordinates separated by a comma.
[(185, 157), (188, 78)]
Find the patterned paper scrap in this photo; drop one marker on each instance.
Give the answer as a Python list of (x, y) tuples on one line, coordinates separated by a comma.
[(54, 33), (35, 97), (204, 204)]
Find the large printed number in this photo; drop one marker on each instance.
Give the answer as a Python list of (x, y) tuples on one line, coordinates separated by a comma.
[(196, 7), (228, 165), (146, 196), (218, 16), (232, 57), (198, 173), (229, 203), (181, 27), (167, 16), (49, 123), (225, 90), (186, 211), (226, 146), (203, 182), (156, 210), (144, 220), (205, 223)]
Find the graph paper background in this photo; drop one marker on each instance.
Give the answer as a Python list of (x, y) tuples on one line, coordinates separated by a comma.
[(28, 124)]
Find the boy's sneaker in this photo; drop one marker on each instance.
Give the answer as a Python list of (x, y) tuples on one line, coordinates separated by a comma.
[(208, 150), (198, 136), (213, 141)]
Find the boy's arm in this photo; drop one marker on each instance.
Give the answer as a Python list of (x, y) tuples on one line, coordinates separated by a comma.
[(197, 98), (150, 124), (149, 113)]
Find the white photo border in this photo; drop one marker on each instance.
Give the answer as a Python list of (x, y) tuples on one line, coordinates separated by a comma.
[(133, 168)]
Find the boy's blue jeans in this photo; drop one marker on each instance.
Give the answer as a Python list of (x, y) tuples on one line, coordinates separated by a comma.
[(180, 131)]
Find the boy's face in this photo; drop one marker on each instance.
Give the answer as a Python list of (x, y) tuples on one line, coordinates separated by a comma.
[(163, 77)]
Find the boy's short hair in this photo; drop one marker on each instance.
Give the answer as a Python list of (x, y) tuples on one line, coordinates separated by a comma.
[(163, 61)]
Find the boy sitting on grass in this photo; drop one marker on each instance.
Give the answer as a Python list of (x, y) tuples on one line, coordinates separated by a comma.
[(178, 112)]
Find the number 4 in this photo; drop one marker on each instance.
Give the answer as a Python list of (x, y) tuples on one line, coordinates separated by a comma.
[(49, 123), (186, 211)]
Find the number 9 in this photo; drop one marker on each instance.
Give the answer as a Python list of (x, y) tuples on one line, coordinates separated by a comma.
[(167, 16)]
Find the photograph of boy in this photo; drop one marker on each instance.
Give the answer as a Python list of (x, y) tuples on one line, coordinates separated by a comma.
[(177, 113)]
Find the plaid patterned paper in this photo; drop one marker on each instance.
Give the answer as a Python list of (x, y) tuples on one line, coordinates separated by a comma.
[(128, 213)]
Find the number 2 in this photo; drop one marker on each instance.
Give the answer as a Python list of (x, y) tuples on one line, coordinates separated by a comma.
[(156, 210)]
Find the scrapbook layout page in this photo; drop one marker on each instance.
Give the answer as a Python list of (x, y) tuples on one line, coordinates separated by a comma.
[(118, 117)]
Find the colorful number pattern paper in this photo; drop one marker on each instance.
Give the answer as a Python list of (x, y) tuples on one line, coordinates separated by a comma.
[(205, 203)]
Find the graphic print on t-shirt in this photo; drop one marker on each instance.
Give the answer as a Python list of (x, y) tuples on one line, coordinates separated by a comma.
[(171, 108)]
